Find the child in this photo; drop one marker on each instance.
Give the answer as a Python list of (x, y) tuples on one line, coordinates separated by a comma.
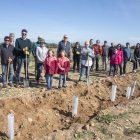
[(50, 68), (41, 54), (114, 62), (63, 67)]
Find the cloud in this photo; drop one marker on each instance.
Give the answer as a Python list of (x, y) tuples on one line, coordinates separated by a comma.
[(133, 38)]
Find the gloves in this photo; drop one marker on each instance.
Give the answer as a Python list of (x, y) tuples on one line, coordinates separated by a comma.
[(88, 54), (26, 52), (88, 51), (77, 52), (25, 49)]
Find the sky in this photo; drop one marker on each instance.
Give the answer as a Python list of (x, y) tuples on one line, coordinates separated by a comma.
[(116, 21)]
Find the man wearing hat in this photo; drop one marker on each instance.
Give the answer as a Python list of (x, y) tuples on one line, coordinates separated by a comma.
[(12, 42), (35, 45), (97, 52), (128, 57), (20, 45), (65, 45), (41, 54)]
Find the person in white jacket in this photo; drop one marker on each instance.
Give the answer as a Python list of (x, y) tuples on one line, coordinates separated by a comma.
[(41, 54)]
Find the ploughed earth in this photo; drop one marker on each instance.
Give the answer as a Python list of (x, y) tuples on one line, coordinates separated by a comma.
[(49, 111)]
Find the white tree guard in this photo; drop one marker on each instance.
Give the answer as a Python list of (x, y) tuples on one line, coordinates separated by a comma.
[(128, 92), (113, 93), (133, 88), (11, 126), (75, 106)]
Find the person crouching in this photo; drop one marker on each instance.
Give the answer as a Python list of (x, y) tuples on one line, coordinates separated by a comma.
[(114, 62), (50, 68), (63, 67)]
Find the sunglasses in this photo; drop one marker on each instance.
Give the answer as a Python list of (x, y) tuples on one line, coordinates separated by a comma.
[(7, 40), (24, 34)]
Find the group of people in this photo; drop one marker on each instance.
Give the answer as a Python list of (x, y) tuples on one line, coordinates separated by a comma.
[(46, 62)]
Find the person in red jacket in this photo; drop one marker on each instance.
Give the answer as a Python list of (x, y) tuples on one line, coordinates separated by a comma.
[(63, 67), (120, 52), (114, 62), (50, 68)]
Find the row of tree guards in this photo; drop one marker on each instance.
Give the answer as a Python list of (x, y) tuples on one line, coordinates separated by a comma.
[(130, 91)]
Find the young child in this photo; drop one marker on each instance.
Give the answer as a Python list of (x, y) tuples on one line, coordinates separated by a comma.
[(50, 68), (114, 62), (63, 67)]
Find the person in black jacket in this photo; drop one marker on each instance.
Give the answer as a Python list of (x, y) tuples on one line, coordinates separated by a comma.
[(7, 55), (137, 54), (111, 50), (76, 56)]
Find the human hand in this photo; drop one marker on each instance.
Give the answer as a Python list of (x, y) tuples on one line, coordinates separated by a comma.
[(9, 60), (130, 59), (26, 52), (77, 52)]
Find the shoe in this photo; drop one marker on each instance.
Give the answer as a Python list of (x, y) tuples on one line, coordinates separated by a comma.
[(37, 82), (17, 84), (49, 88), (103, 70), (80, 80), (5, 86), (123, 74), (59, 87), (91, 70), (113, 76), (134, 70), (73, 71), (64, 86), (108, 77), (11, 84)]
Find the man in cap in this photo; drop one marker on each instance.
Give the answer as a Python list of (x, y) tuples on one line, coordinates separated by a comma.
[(105, 48), (97, 52), (128, 57), (35, 45), (12, 42), (20, 45), (65, 45)]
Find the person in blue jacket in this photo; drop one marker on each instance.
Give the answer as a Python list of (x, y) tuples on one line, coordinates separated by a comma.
[(128, 57), (35, 45)]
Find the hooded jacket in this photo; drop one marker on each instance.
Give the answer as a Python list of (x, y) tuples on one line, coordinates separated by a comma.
[(117, 59), (137, 53)]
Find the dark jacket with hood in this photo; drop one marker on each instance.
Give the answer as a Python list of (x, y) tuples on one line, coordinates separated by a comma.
[(75, 49), (137, 53)]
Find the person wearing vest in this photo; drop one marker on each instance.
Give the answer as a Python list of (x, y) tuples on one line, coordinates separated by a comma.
[(12, 42), (91, 46), (7, 55), (20, 44), (35, 45), (97, 52), (66, 46)]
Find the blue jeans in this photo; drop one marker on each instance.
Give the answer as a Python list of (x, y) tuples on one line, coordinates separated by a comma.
[(20, 63), (49, 78), (83, 70), (4, 73), (60, 79), (39, 68)]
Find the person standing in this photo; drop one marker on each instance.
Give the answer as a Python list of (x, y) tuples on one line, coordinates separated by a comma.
[(66, 46), (137, 54), (41, 54), (12, 42), (97, 52), (105, 52), (35, 45), (128, 57), (20, 44), (111, 50), (76, 56), (7, 55), (85, 52), (91, 46)]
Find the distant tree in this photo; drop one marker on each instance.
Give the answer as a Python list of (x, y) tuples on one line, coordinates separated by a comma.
[(133, 47)]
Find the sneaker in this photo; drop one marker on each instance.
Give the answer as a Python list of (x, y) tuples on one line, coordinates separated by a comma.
[(64, 86), (123, 74), (113, 76), (11, 84), (134, 70), (49, 88), (4, 85), (103, 70), (59, 87), (108, 77), (17, 84), (80, 80)]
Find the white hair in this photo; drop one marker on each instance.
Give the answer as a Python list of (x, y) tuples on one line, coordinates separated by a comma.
[(65, 35), (87, 42)]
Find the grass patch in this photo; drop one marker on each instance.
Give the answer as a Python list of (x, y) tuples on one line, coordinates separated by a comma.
[(136, 129), (133, 111), (81, 135)]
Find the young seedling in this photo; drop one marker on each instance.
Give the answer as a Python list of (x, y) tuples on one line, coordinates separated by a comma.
[(23, 125)]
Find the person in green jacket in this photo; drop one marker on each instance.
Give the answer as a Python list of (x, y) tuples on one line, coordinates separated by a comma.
[(35, 45)]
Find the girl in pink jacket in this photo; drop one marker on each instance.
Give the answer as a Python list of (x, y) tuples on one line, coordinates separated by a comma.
[(114, 62), (120, 52)]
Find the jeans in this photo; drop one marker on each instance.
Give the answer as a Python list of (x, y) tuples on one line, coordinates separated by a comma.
[(49, 78), (125, 62), (76, 61), (39, 69), (97, 61), (92, 66), (136, 62), (4, 73), (83, 70), (60, 79), (20, 63), (104, 62), (115, 69)]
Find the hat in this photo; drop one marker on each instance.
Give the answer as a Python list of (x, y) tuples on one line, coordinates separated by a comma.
[(127, 43), (39, 36), (42, 41), (11, 34)]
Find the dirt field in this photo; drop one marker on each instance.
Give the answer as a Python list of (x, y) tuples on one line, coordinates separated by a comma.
[(40, 112)]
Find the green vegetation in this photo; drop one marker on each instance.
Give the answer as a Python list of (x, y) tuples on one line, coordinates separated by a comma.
[(81, 135), (23, 125)]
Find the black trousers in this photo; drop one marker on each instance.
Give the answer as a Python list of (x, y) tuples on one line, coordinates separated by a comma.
[(97, 61), (120, 66), (76, 62), (115, 69), (125, 62), (138, 62)]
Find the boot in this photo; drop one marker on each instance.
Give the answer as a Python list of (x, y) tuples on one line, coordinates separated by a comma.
[(11, 84), (17, 84), (4, 85)]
